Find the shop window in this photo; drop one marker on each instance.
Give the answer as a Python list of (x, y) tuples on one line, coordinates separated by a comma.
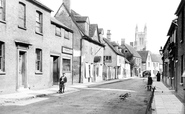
[(2, 10), (66, 65)]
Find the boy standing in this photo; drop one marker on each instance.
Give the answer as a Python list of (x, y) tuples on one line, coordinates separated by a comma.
[(63, 80)]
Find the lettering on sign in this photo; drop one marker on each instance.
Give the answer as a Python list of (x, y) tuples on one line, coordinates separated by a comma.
[(67, 50)]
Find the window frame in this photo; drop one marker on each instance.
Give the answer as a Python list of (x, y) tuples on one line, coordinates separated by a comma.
[(2, 57), (24, 16), (182, 68), (56, 32), (39, 21), (66, 37), (63, 64), (3, 10), (38, 66)]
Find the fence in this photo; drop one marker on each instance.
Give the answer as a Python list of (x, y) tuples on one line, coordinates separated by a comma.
[(149, 105)]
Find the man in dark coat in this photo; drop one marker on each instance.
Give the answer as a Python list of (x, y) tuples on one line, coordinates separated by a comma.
[(158, 76), (63, 80)]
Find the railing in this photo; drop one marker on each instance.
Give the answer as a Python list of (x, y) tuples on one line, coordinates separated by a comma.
[(149, 104)]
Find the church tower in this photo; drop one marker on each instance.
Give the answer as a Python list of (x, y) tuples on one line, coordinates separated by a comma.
[(140, 39)]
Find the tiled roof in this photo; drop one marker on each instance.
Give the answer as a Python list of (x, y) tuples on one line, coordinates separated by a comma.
[(143, 55), (55, 21), (79, 18), (112, 47), (132, 50), (92, 29), (74, 13)]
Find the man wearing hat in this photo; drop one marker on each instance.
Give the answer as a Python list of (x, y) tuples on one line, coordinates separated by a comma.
[(63, 80)]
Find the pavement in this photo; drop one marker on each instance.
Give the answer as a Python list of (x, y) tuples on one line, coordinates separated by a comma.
[(165, 101)]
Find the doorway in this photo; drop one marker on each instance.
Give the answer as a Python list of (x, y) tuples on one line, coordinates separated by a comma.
[(55, 72), (22, 77)]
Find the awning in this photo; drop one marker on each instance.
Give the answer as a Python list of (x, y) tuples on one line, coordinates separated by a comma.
[(97, 59)]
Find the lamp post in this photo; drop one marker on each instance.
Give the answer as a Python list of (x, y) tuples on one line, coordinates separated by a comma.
[(161, 53)]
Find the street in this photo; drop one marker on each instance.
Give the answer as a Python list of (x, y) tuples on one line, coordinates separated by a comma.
[(97, 99)]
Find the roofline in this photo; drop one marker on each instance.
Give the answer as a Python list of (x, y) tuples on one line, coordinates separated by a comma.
[(172, 27), (180, 7), (93, 41), (113, 49), (41, 5), (64, 27)]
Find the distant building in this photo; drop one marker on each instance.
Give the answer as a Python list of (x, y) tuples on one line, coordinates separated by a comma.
[(140, 39)]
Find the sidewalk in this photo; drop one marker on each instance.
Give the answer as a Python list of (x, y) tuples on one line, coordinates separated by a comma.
[(165, 102), (29, 94)]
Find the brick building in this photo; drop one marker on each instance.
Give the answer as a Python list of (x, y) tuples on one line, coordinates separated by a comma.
[(30, 46)]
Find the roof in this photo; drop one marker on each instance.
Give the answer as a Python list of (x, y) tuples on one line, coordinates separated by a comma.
[(55, 21), (92, 29), (37, 2), (172, 27), (74, 13), (180, 7), (110, 44), (143, 55), (79, 18), (132, 50)]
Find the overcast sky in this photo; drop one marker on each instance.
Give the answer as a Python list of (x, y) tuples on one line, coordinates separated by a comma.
[(122, 16)]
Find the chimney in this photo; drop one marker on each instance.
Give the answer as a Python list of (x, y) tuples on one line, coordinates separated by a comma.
[(123, 41), (67, 4), (108, 35), (132, 44)]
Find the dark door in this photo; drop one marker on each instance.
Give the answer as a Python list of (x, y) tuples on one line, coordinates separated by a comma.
[(55, 69)]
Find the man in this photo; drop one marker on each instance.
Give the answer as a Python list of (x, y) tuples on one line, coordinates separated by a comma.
[(158, 76), (63, 80)]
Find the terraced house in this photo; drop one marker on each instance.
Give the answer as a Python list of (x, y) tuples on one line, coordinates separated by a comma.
[(87, 46), (33, 49)]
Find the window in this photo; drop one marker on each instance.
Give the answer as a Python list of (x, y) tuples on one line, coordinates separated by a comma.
[(57, 31), (107, 58), (38, 22), (2, 57), (182, 25), (39, 60), (2, 10), (66, 35), (22, 15), (66, 65), (182, 68)]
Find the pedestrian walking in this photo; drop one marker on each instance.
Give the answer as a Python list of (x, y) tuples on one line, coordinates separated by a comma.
[(158, 76), (63, 80), (149, 83)]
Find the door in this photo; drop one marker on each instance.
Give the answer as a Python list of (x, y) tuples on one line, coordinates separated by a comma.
[(22, 70), (54, 61)]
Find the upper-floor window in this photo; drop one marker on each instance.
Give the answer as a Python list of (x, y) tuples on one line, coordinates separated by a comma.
[(22, 15), (2, 10), (39, 60), (2, 57), (182, 26), (107, 58), (57, 31), (39, 20), (66, 34)]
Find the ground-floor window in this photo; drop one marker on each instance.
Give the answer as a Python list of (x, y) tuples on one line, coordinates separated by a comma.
[(38, 60), (2, 57), (66, 65)]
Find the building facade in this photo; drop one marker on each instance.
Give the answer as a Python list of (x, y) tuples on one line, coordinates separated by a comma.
[(29, 46)]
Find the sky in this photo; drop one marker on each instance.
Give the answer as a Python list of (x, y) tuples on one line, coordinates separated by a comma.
[(122, 16)]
